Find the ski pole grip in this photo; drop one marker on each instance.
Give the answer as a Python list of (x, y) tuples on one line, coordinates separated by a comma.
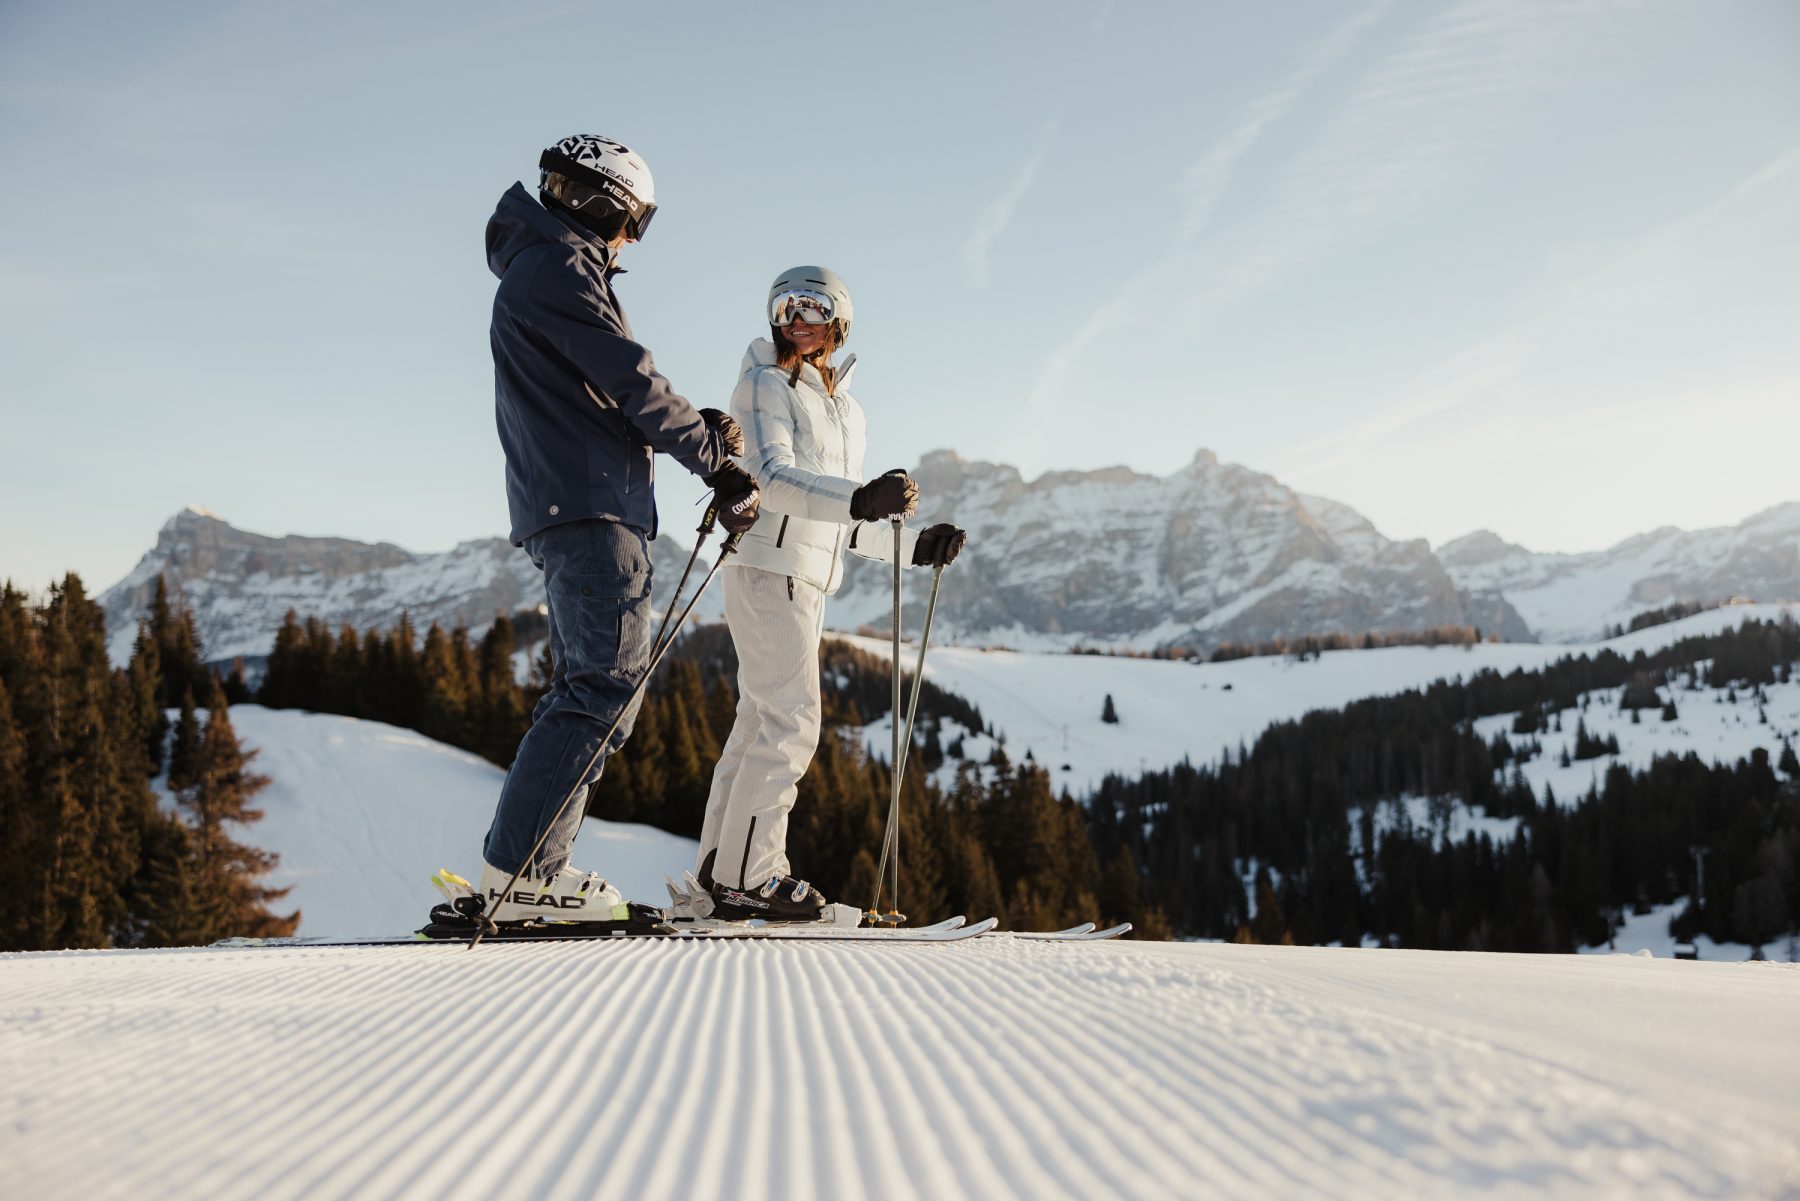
[(708, 520), (731, 542)]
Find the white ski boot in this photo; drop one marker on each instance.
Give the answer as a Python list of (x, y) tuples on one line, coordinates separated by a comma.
[(568, 896)]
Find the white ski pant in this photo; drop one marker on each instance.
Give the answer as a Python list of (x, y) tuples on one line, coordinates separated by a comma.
[(776, 622)]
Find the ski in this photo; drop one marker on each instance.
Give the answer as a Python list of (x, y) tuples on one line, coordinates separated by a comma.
[(953, 930), (1085, 932)]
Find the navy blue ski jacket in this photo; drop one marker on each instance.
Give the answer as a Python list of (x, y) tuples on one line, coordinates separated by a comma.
[(581, 408)]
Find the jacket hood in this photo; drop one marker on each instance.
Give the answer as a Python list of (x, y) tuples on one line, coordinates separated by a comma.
[(761, 353), (520, 223)]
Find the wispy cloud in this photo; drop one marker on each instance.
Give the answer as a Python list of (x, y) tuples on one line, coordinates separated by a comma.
[(1202, 186), (1209, 177), (999, 215), (1486, 369), (1395, 137)]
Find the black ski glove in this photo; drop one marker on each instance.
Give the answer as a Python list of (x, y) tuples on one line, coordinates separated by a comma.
[(939, 544), (736, 497), (730, 435), (891, 494)]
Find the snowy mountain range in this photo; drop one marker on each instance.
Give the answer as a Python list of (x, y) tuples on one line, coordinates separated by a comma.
[(1568, 597), (239, 584), (1212, 553), (1217, 553)]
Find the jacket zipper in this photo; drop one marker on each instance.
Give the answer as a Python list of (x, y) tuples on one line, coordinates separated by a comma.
[(837, 540), (782, 532)]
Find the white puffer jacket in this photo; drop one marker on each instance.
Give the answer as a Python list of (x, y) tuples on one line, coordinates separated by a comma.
[(806, 451)]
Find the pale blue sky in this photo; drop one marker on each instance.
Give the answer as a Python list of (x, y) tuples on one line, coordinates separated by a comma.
[(1528, 267)]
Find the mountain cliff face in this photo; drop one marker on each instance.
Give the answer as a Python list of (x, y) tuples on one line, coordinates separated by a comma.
[(239, 584), (1213, 553)]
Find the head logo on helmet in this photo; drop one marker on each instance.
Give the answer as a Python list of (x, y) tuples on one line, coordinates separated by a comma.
[(605, 184)]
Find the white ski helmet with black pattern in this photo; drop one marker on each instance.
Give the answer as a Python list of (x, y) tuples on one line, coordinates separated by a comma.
[(586, 171)]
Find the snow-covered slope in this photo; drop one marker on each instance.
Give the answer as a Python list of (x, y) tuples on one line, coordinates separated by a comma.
[(1050, 704), (362, 813), (990, 1070), (1569, 598)]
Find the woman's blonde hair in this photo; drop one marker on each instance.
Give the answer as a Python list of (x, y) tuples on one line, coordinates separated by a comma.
[(788, 358)]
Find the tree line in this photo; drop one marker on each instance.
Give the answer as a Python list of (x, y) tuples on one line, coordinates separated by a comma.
[(1302, 809), (960, 843), (90, 857)]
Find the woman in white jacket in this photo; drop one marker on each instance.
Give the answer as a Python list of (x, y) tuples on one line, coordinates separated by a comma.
[(804, 436)]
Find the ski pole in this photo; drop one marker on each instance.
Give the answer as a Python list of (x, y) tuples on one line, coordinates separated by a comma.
[(912, 706), (705, 531), (488, 925), (912, 713), (888, 840)]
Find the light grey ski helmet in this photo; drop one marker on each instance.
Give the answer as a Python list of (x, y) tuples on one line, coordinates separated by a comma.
[(822, 280)]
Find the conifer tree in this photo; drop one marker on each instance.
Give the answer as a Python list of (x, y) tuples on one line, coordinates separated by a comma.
[(14, 796), (144, 688), (184, 748), (445, 694), (688, 781), (237, 687), (165, 896), (1108, 714), (721, 707), (348, 674), (501, 718), (281, 674), (229, 896), (171, 627)]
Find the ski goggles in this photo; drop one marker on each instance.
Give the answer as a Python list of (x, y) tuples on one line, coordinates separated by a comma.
[(578, 186), (802, 305)]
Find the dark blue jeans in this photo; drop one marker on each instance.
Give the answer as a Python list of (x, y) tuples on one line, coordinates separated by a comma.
[(597, 580)]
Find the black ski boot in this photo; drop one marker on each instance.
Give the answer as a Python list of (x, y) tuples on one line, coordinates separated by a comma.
[(778, 899)]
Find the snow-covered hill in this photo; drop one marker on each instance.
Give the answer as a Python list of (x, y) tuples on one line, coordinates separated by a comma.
[(988, 1070), (362, 813), (1050, 704)]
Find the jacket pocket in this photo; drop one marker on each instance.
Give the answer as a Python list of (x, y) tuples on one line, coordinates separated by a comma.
[(782, 532)]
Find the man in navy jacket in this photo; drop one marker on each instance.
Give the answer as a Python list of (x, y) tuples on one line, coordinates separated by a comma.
[(582, 411)]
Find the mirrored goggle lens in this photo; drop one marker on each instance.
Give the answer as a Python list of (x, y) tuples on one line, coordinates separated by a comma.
[(809, 308)]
